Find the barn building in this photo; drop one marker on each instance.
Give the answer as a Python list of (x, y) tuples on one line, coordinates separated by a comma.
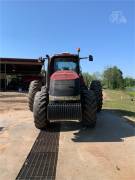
[(16, 73)]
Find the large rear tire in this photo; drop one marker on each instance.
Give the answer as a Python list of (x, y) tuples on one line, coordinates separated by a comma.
[(89, 108), (40, 109), (97, 88), (34, 87)]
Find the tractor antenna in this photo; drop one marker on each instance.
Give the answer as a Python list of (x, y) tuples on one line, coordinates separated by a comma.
[(78, 50)]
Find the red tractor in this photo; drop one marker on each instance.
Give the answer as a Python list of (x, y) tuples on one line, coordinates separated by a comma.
[(64, 95)]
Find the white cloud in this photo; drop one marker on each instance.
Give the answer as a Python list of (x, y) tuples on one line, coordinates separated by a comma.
[(117, 17)]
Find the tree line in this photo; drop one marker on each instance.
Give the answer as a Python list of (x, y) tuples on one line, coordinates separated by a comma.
[(111, 78)]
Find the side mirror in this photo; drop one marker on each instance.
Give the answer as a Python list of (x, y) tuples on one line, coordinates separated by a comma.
[(90, 58)]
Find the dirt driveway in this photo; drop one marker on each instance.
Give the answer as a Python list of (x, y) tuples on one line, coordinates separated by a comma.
[(104, 153), (17, 133)]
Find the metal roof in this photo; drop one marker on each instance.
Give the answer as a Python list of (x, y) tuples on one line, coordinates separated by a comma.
[(20, 61), (20, 66)]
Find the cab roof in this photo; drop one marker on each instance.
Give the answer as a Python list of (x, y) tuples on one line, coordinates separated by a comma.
[(65, 54)]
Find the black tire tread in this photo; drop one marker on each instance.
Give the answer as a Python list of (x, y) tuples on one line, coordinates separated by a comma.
[(34, 87), (89, 108), (40, 109), (97, 88)]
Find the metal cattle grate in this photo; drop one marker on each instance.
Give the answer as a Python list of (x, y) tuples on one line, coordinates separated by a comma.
[(42, 159)]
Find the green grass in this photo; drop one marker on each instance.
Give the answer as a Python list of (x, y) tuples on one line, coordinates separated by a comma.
[(131, 93), (122, 102)]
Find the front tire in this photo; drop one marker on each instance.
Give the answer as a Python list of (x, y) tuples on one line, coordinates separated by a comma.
[(40, 109), (34, 87), (89, 109), (97, 88)]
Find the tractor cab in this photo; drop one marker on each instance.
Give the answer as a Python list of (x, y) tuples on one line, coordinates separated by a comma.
[(64, 61), (64, 84)]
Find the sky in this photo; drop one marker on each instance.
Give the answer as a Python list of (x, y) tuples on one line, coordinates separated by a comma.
[(105, 29)]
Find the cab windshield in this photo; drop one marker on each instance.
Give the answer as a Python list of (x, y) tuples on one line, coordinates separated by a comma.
[(65, 64)]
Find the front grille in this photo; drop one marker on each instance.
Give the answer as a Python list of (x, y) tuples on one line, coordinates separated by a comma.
[(61, 111)]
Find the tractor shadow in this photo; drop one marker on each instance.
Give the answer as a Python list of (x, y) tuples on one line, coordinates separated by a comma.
[(110, 128), (65, 125)]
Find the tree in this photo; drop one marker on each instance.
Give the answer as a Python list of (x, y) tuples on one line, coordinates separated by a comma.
[(87, 78), (113, 78), (96, 76), (129, 82)]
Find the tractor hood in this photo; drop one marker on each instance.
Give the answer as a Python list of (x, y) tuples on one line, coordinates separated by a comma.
[(64, 75), (64, 85)]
